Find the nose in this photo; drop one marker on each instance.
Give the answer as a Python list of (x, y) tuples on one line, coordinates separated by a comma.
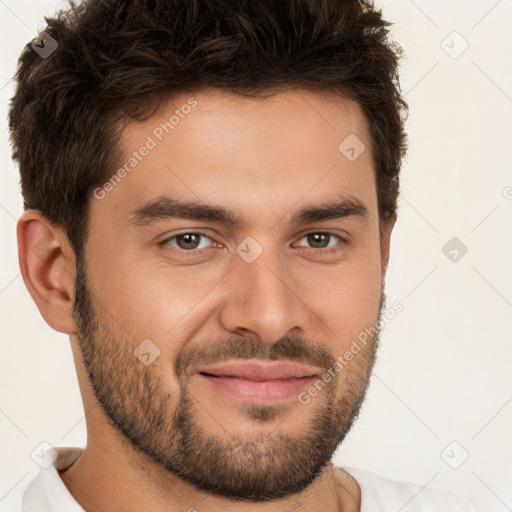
[(260, 300)]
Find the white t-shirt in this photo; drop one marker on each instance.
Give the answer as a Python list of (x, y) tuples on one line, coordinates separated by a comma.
[(48, 493)]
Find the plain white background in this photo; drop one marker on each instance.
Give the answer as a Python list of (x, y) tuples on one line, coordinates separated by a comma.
[(442, 386)]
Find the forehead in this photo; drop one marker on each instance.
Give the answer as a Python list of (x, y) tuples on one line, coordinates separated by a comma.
[(257, 155)]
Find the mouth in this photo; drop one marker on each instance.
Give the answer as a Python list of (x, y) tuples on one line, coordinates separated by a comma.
[(259, 382)]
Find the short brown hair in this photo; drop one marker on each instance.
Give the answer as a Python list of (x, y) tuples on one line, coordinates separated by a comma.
[(119, 59)]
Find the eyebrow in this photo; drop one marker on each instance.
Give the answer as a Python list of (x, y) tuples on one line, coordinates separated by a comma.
[(167, 207)]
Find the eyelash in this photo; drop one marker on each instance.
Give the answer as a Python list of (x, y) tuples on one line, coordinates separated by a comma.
[(196, 252)]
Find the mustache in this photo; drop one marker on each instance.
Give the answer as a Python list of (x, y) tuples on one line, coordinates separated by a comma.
[(286, 349)]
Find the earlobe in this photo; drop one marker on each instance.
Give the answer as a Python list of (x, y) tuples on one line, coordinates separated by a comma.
[(47, 265)]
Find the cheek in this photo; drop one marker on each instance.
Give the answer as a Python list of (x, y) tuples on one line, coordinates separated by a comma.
[(348, 302), (154, 301), (347, 297)]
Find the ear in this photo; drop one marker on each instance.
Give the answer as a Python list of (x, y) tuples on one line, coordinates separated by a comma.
[(47, 264), (386, 229)]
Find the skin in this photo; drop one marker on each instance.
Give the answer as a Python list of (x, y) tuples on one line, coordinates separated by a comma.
[(263, 159)]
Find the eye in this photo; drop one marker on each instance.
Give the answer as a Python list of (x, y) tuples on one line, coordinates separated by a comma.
[(189, 243), (319, 238), (186, 242)]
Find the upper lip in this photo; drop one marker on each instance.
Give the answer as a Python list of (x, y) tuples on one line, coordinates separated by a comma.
[(253, 369)]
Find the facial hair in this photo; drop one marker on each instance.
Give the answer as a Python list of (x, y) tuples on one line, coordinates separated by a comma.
[(258, 466)]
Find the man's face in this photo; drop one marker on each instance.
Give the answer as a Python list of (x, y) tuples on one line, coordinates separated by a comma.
[(199, 335)]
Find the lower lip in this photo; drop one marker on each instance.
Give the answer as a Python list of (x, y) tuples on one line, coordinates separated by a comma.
[(262, 392)]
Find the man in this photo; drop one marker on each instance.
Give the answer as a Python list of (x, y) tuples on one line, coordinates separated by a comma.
[(210, 190)]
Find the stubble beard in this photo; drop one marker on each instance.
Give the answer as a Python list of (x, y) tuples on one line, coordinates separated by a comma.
[(265, 465)]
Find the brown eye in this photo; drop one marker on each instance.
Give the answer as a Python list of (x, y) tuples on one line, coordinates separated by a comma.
[(186, 242), (320, 240)]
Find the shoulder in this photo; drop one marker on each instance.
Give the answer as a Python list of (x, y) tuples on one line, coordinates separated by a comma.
[(381, 494), (46, 491)]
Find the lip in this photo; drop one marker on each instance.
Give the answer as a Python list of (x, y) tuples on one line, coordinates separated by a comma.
[(255, 370), (260, 382)]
